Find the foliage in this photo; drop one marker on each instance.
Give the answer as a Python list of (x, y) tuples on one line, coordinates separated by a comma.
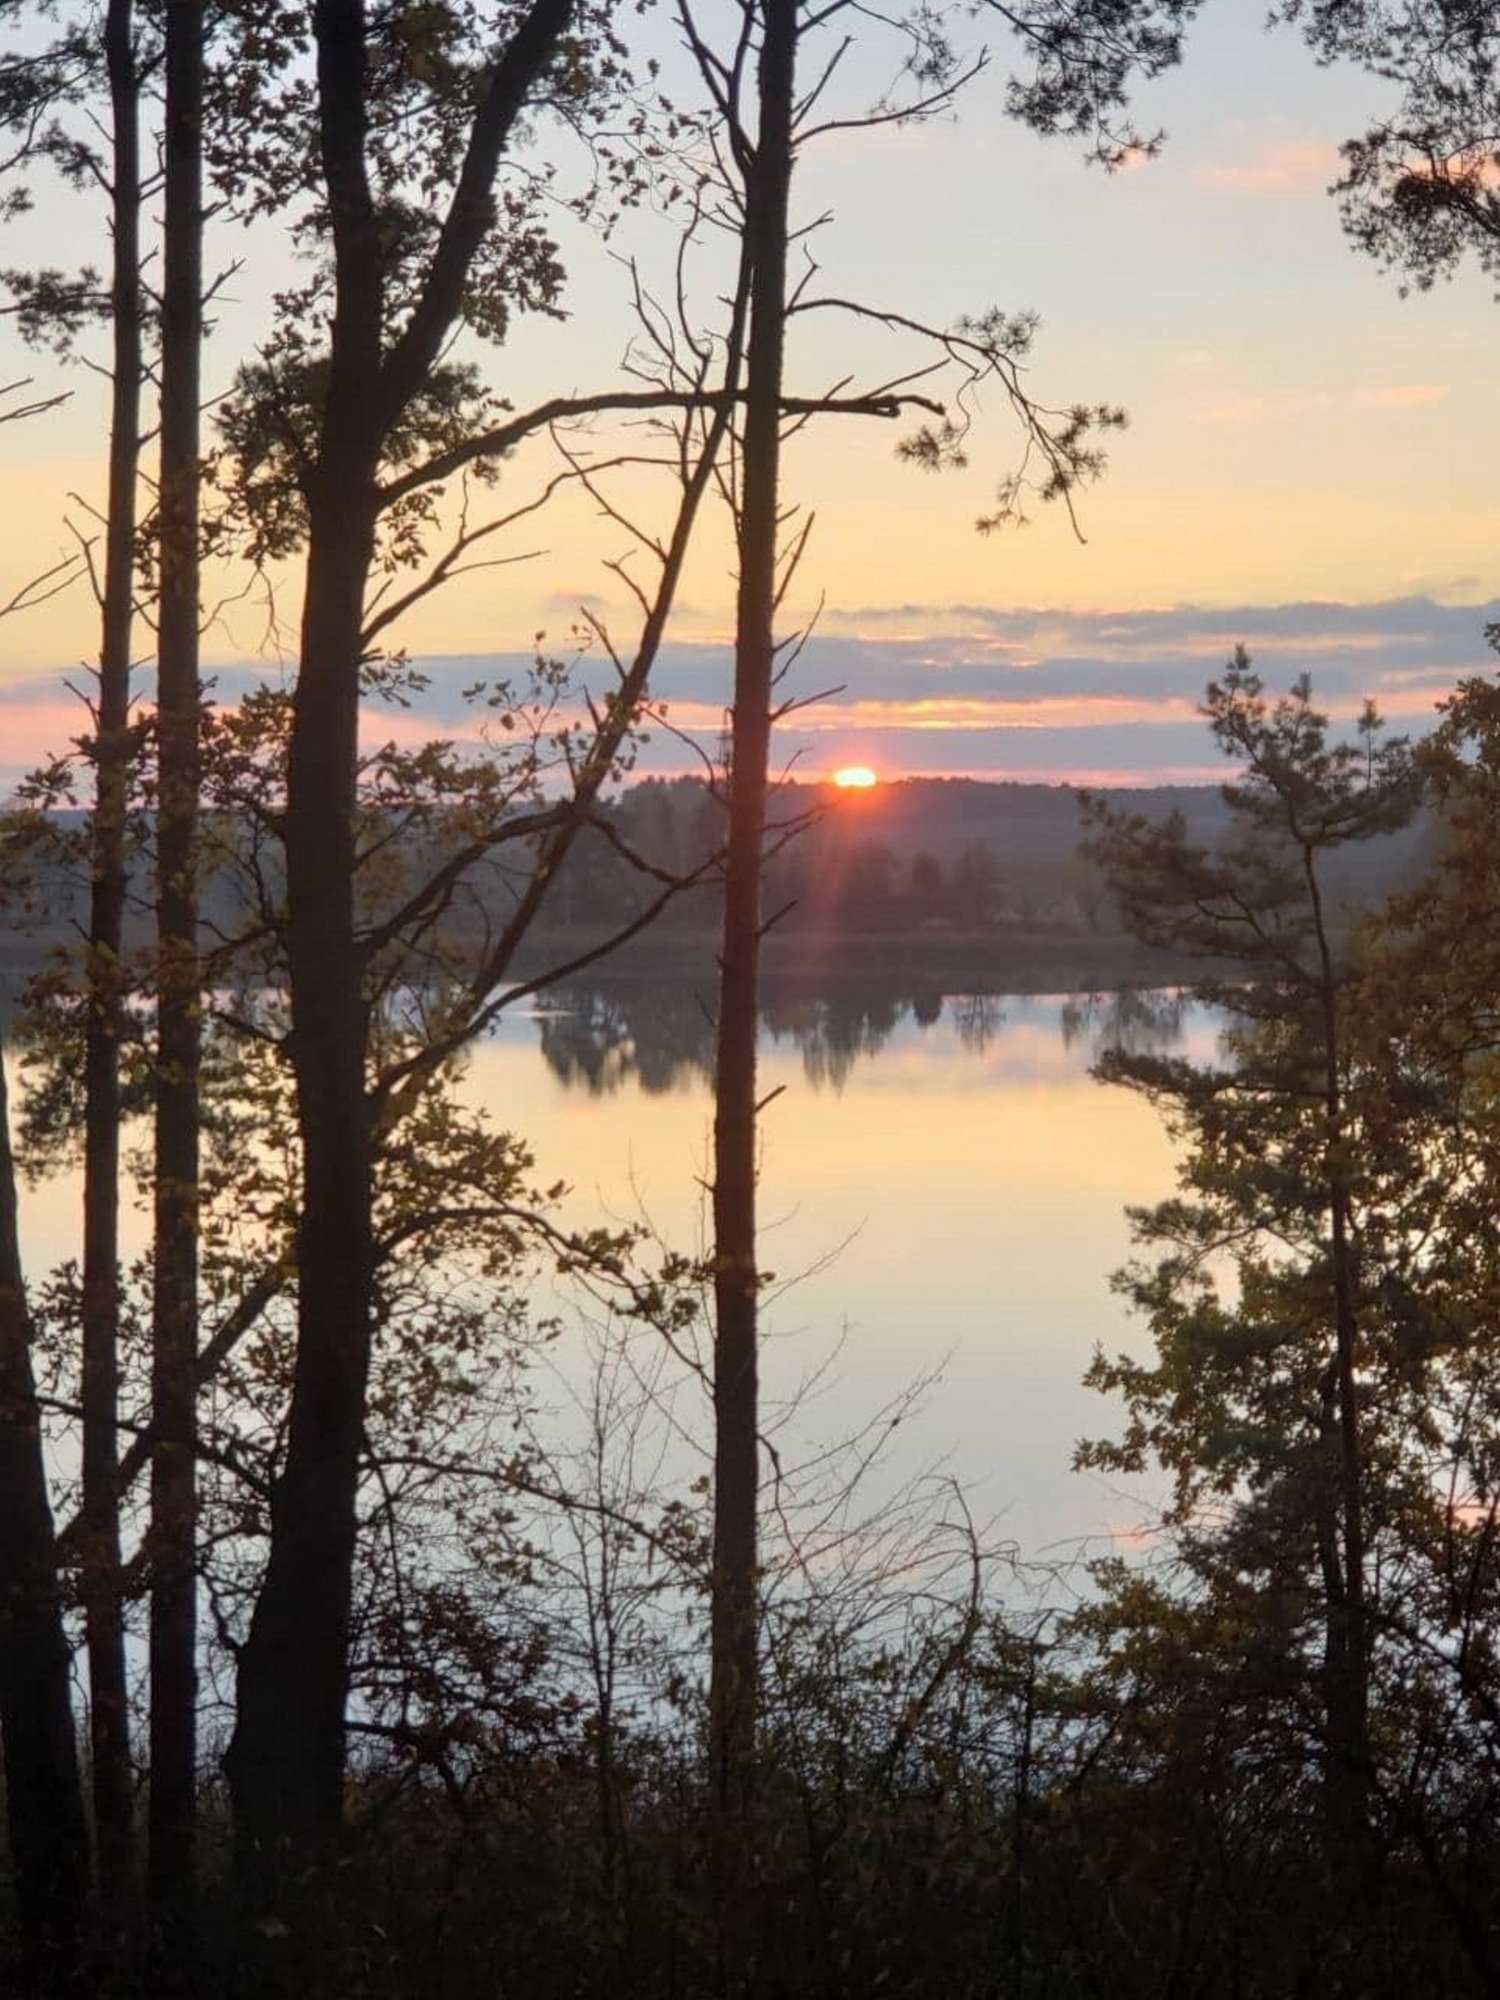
[(1418, 189)]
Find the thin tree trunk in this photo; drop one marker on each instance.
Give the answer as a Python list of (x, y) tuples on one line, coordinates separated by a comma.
[(44, 1798), (732, 1690), (109, 1719), (1346, 1668), (170, 1861), (1348, 1693)]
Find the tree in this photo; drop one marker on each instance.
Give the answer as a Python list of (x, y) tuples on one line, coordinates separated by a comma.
[(927, 883), (343, 453), (45, 1823), (1418, 190), (37, 93), (1242, 1400), (286, 1758), (733, 1640), (44, 1801), (108, 1709), (870, 886), (174, 1389), (1281, 1174), (1084, 60), (974, 885)]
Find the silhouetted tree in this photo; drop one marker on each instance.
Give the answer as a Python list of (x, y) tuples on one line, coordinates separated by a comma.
[(49, 102), (927, 884), (1418, 190), (1273, 1149), (1084, 59), (109, 1718), (974, 883), (43, 1797), (174, 1387)]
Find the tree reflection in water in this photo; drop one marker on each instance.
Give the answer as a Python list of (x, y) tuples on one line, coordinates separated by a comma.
[(1139, 1020), (978, 1018), (658, 1036), (834, 1030)]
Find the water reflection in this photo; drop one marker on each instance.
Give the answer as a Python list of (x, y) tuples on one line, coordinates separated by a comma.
[(659, 1036), (940, 1178), (834, 1031), (977, 1019), (599, 1038), (1137, 1020)]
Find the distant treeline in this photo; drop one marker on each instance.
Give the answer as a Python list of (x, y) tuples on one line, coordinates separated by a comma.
[(934, 860), (929, 855)]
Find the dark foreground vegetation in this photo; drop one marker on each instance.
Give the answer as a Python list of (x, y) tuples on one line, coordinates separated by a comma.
[(352, 1643)]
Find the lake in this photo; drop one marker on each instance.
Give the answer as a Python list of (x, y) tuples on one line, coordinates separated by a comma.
[(943, 1183), (943, 1186)]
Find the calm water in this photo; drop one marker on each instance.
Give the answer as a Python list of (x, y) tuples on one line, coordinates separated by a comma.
[(943, 1184), (942, 1180)]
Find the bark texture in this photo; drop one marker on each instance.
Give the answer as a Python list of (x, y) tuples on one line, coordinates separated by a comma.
[(286, 1760), (1346, 1655), (109, 1722), (287, 1757), (43, 1791), (174, 1680), (732, 1693)]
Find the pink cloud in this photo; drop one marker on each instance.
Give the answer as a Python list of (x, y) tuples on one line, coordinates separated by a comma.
[(1402, 396), (1292, 168), (36, 729), (986, 712), (1243, 412), (1240, 414), (1087, 776), (1247, 412)]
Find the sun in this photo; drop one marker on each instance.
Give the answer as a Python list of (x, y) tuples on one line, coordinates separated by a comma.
[(854, 778)]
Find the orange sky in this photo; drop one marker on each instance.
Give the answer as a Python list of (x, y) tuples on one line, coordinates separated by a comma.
[(1299, 435)]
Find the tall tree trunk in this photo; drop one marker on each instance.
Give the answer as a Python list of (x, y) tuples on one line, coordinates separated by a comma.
[(170, 1860), (286, 1762), (732, 1690), (44, 1799), (286, 1759), (109, 1719)]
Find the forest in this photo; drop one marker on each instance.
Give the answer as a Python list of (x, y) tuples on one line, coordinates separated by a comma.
[(332, 1660), (981, 874)]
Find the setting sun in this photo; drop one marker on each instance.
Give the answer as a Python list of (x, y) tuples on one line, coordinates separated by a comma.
[(854, 778)]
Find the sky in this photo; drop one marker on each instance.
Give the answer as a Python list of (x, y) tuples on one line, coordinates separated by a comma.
[(1309, 465)]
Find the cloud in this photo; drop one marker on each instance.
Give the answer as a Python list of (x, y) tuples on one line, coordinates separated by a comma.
[(1088, 695), (1043, 692), (1402, 396), (1251, 412), (1294, 167), (1254, 412), (962, 667), (566, 603)]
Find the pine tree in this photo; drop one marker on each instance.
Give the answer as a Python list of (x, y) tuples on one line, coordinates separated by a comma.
[(1260, 1391)]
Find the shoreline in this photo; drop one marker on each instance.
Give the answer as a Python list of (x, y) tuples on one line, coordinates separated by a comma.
[(1010, 961)]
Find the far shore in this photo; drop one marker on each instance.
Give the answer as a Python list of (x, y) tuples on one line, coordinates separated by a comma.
[(999, 960), (1008, 960)]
